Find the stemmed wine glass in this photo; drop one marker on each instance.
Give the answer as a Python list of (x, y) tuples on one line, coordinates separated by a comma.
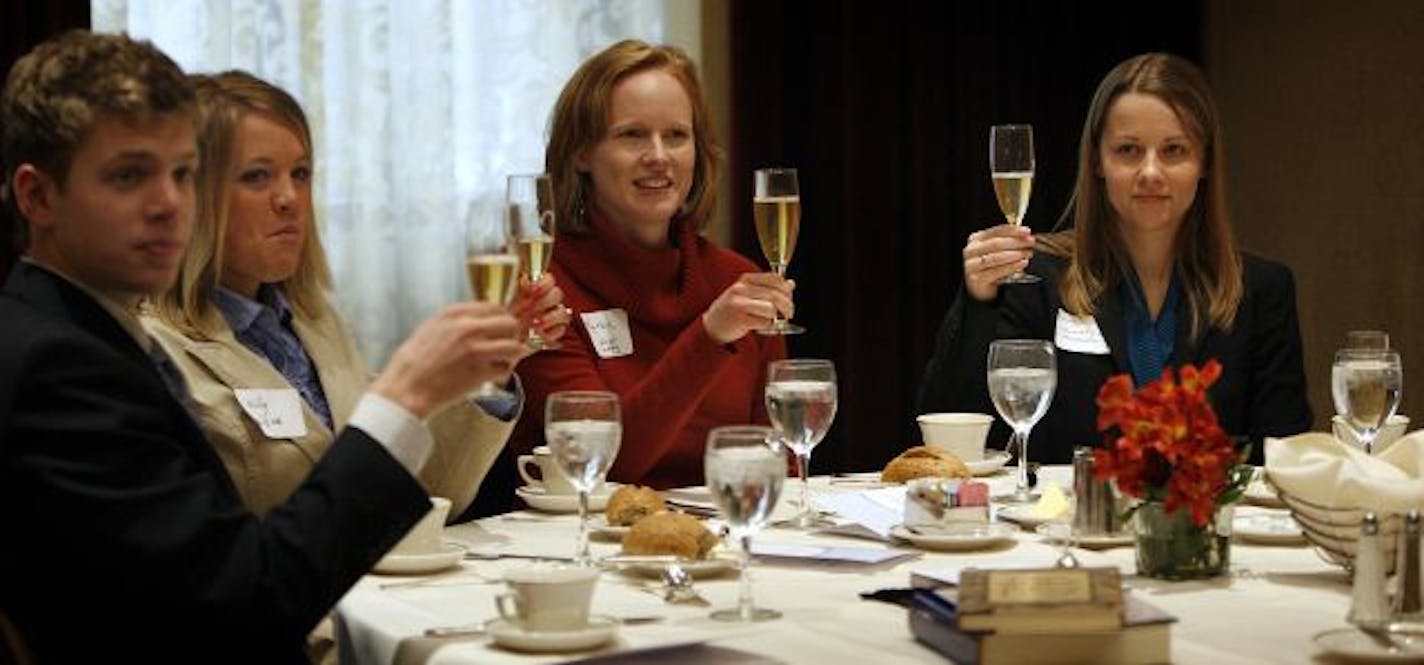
[(745, 468), (530, 214), (1022, 376), (493, 270), (1011, 164), (583, 430), (801, 402), (1366, 385), (776, 207)]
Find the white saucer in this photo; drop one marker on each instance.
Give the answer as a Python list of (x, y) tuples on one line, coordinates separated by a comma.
[(956, 537), (715, 564), (1268, 529), (1260, 494), (600, 630), (449, 555), (599, 526), (1022, 514), (1097, 541), (1351, 643), (538, 499), (991, 463)]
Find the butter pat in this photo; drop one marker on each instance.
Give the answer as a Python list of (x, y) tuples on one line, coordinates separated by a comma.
[(1052, 504)]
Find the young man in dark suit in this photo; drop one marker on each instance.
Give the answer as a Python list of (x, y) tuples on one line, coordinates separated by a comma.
[(123, 534)]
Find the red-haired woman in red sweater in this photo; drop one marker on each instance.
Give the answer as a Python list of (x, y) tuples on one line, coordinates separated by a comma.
[(665, 318)]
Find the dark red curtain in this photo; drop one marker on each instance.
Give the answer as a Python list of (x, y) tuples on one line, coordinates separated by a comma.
[(28, 23), (885, 108)]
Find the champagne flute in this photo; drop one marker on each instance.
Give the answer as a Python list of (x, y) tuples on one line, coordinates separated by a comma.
[(1011, 165), (776, 208), (1022, 377), (493, 271), (745, 468), (583, 430), (1367, 339), (530, 215), (801, 402), (1367, 385)]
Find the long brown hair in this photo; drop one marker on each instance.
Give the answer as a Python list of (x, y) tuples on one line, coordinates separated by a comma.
[(223, 101), (1207, 260), (580, 121)]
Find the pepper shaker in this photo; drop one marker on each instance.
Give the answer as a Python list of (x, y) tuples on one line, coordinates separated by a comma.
[(1409, 600), (1368, 606)]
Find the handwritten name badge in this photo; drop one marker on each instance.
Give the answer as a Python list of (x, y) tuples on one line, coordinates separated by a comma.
[(277, 411), (1079, 334), (608, 330)]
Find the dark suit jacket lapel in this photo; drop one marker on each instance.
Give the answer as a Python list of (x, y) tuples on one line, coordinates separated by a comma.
[(1184, 348), (1108, 313), (50, 293)]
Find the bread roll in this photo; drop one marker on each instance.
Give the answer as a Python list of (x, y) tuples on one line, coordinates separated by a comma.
[(669, 532), (631, 503), (924, 462)]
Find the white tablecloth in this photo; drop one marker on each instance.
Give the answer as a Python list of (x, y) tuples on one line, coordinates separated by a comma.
[(1265, 611)]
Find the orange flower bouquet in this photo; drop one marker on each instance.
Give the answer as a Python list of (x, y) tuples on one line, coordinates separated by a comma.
[(1165, 447)]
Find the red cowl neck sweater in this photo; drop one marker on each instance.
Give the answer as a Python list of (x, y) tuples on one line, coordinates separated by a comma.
[(678, 383)]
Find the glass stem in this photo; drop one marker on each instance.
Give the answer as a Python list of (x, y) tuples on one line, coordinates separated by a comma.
[(803, 465), (776, 321), (583, 558), (744, 563), (1021, 439)]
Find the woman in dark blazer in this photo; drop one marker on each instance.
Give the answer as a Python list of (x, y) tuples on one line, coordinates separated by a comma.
[(1152, 278)]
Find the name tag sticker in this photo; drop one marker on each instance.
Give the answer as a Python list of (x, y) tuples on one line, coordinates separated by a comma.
[(277, 411), (608, 330), (1079, 334)]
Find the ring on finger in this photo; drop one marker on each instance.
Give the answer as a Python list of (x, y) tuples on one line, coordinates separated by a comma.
[(983, 260)]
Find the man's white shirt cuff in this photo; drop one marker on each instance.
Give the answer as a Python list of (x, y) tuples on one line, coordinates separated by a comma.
[(402, 434)]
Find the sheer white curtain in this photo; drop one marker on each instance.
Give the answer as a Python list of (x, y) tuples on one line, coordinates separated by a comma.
[(420, 109)]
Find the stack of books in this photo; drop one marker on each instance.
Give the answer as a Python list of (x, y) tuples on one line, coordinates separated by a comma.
[(1050, 615)]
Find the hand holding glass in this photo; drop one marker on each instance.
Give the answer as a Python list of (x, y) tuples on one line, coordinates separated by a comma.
[(801, 403), (776, 208), (1022, 376), (583, 430), (745, 469), (530, 215), (1366, 385), (1011, 165)]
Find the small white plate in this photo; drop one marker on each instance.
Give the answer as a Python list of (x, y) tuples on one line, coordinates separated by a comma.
[(715, 564), (956, 537), (1023, 515), (599, 526), (600, 630), (1268, 529), (449, 555), (1097, 541), (1352, 643), (538, 499), (992, 462), (1260, 494)]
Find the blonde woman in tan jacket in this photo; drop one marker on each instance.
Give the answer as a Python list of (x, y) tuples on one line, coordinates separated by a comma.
[(273, 369)]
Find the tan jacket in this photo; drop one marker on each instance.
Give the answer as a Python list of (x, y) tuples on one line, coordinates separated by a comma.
[(467, 440)]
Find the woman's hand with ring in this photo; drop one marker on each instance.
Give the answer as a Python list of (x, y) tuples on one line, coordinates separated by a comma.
[(991, 255)]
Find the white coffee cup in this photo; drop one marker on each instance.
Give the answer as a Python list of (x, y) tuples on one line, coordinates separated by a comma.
[(961, 434), (548, 598), (424, 537), (551, 480), (1392, 430)]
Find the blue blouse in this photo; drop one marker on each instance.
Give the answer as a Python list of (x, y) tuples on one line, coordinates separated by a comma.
[(1149, 343)]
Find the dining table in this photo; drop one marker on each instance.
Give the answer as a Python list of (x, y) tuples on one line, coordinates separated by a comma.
[(1275, 598)]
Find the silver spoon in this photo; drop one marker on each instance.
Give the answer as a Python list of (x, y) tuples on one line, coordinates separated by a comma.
[(471, 629), (677, 586)]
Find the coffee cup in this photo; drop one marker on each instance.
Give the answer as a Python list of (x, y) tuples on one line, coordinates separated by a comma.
[(550, 479), (424, 537), (547, 598), (960, 434), (1393, 428)]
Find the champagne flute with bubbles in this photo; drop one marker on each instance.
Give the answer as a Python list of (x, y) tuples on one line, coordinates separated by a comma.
[(801, 403), (1011, 165), (745, 468), (1022, 376), (1366, 385), (776, 209), (493, 269), (583, 430), (530, 214)]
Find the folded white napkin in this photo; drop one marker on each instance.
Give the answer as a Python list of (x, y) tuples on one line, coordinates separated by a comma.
[(1318, 468)]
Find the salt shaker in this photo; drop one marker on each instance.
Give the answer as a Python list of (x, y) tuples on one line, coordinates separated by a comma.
[(1368, 606), (1409, 600), (1093, 512)]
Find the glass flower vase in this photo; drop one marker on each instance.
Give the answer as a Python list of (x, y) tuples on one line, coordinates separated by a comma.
[(1172, 547)]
